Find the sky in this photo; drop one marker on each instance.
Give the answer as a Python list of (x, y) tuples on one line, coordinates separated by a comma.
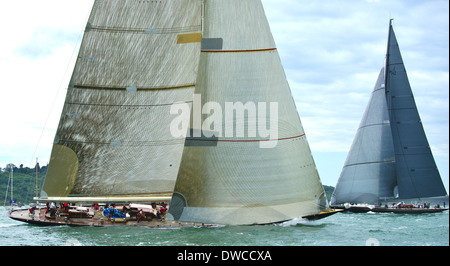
[(332, 52)]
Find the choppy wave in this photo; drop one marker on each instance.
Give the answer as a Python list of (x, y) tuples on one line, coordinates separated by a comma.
[(8, 225), (339, 229), (300, 221)]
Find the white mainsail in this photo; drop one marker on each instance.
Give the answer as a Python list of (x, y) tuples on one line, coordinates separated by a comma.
[(137, 62), (113, 142), (235, 181)]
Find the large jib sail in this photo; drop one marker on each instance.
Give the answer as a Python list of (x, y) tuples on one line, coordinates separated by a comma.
[(369, 171), (417, 173), (390, 156), (241, 176), (113, 141)]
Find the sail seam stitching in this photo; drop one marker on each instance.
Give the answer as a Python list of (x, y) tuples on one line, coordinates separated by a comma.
[(147, 31), (373, 125), (127, 106), (151, 194), (87, 87), (128, 144), (240, 141), (239, 51), (375, 162)]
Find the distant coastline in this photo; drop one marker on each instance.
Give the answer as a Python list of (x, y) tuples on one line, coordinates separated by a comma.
[(25, 183)]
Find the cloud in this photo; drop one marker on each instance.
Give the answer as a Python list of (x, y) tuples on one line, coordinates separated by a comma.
[(44, 41), (332, 52), (36, 61)]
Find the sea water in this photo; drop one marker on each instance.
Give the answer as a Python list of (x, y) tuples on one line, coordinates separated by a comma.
[(342, 229)]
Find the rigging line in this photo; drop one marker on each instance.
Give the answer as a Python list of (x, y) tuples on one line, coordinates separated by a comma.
[(51, 107), (75, 49)]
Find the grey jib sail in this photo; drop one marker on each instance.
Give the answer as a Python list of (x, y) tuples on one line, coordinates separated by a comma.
[(113, 141), (390, 156), (369, 171)]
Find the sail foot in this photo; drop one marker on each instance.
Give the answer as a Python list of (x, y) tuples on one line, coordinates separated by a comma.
[(246, 215)]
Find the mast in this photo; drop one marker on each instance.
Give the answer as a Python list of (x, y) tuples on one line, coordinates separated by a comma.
[(386, 69), (12, 183), (36, 177), (7, 188)]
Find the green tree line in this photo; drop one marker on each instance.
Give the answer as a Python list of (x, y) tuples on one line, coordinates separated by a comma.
[(328, 191), (24, 183)]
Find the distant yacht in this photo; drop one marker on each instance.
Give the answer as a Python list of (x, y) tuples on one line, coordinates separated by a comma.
[(390, 159)]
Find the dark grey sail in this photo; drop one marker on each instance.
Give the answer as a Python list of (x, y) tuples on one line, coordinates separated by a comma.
[(417, 173), (369, 171)]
